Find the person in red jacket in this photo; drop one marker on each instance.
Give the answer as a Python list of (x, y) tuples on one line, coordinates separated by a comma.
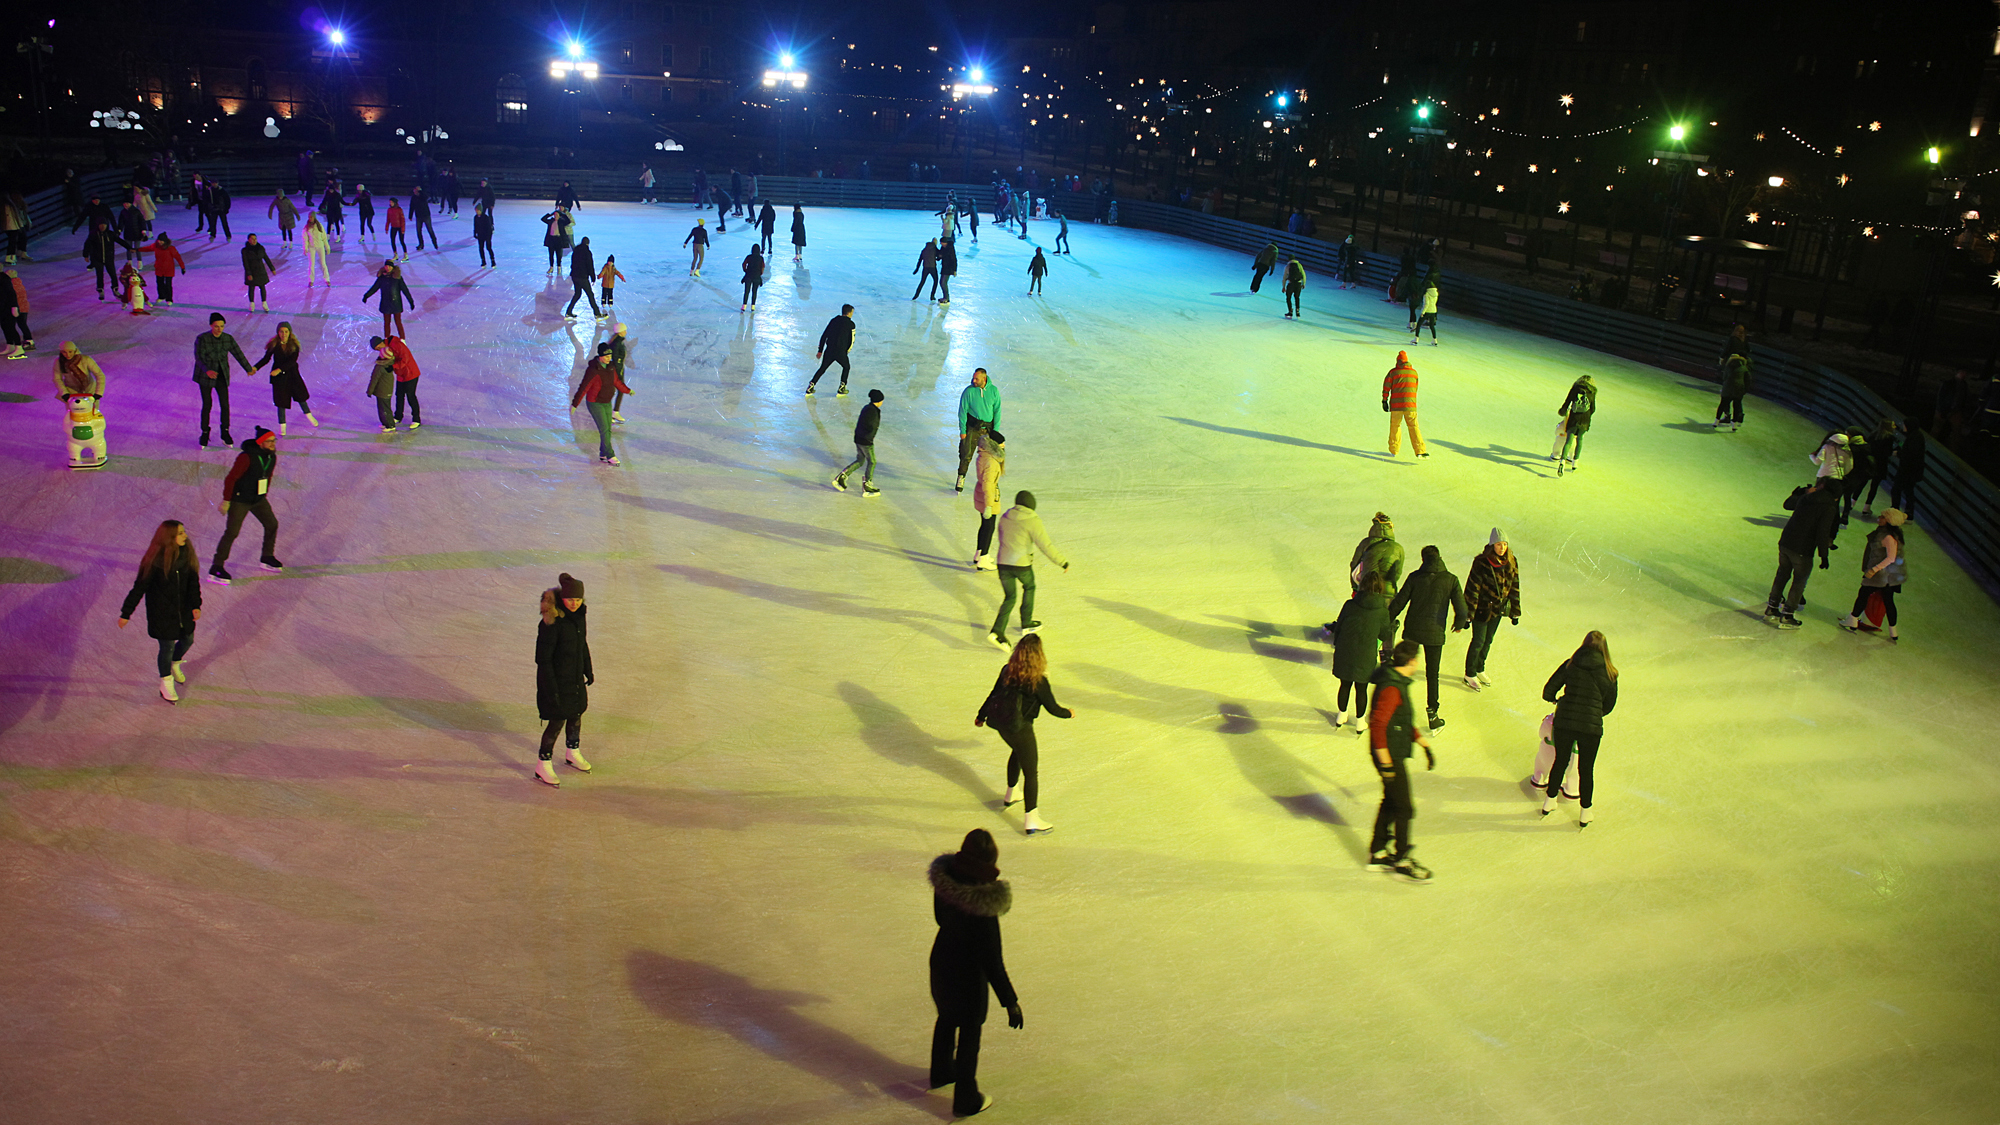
[(600, 382), (165, 259), (1399, 398), (392, 221), (407, 374)]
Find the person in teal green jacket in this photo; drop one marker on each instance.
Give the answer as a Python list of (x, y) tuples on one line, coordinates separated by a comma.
[(978, 412)]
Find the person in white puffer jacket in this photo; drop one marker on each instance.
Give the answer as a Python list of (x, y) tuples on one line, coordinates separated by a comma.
[(1020, 532)]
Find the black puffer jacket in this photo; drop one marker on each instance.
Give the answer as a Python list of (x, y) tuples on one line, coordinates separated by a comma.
[(1429, 595), (966, 958), (171, 595), (1588, 693), (562, 666)]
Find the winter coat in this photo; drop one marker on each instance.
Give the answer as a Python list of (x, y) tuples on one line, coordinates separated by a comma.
[(316, 239), (1735, 376), (382, 380), (78, 376), (364, 204), (554, 235), (392, 219), (989, 469), (1493, 586), (482, 225), (218, 199), (600, 380), (286, 211), (562, 665), (171, 595), (753, 268), (1876, 551), (768, 220), (1365, 628), (927, 259), (1020, 531), (1381, 554), (1834, 459), (1008, 708), (1392, 714), (1399, 387), (405, 363), (866, 424), (1588, 692), (1814, 514), (101, 248), (948, 259), (1295, 277), (609, 275), (1578, 406), (1267, 258), (211, 353), (583, 264), (257, 265), (837, 336), (798, 228), (1430, 306), (165, 258), (698, 236), (1429, 594), (1909, 460), (131, 226), (395, 292), (249, 478), (19, 292), (965, 957)]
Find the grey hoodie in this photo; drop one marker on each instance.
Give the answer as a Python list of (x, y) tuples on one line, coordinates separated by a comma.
[(1021, 531)]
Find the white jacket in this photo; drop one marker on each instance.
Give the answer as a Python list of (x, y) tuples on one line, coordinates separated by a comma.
[(1021, 531)]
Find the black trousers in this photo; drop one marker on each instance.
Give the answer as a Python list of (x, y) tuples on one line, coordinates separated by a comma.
[(1584, 745), (164, 286), (397, 242), (580, 291), (969, 444), (986, 525), (1480, 644), (1292, 301), (106, 271), (829, 360), (422, 226), (573, 739), (1023, 762), (1888, 602), (1392, 818), (1010, 578), (173, 648), (367, 222), (1360, 690), (209, 394), (766, 243), (1795, 567), (261, 508), (1729, 409), (930, 275), (1903, 494), (750, 292), (406, 391), (1433, 656), (486, 252), (863, 455), (955, 1063)]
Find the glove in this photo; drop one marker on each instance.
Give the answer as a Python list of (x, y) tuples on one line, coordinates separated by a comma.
[(1430, 759), (1822, 562), (589, 679), (1015, 1019)]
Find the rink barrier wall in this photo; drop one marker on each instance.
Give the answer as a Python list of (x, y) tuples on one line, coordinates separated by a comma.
[(1958, 505)]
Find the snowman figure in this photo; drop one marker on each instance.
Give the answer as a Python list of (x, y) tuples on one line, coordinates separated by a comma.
[(85, 424)]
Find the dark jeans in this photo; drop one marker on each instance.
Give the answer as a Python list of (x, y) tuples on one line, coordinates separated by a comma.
[(986, 525), (830, 359), (164, 286), (750, 292), (574, 723), (1062, 243), (1729, 409), (955, 1063), (863, 454), (486, 252), (1392, 819), (1257, 275), (969, 444), (1433, 656), (930, 275), (1023, 762), (257, 292), (1888, 602), (106, 271), (1482, 641), (261, 508), (1292, 301), (367, 221), (1584, 745), (173, 648), (422, 226), (1360, 690), (397, 241), (1795, 566), (1430, 321), (580, 291), (606, 293), (1034, 283), (1010, 578), (944, 283), (209, 394), (406, 391)]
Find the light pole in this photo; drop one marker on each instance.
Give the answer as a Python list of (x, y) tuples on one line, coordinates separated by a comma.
[(333, 57), (1421, 134), (1947, 198), (571, 69), (35, 47), (1678, 159), (785, 76), (975, 86)]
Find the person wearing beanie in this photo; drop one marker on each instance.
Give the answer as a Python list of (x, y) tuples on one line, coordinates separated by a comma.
[(212, 350), (1815, 509), (382, 383), (1576, 409), (1392, 731), (1882, 574), (1492, 591), (1429, 594), (170, 584), (246, 491), (165, 259), (607, 280), (987, 471), (1362, 638), (396, 297), (835, 341), (563, 675), (697, 237), (600, 383), (618, 353), (1377, 553), (978, 409), (1020, 532), (864, 447), (281, 352), (1399, 399), (968, 898)]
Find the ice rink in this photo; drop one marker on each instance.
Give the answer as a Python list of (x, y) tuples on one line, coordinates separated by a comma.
[(325, 886)]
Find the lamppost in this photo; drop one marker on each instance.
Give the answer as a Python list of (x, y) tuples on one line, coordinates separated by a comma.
[(1421, 134), (785, 76), (975, 86), (333, 57), (1678, 160), (35, 47), (571, 71), (1947, 199)]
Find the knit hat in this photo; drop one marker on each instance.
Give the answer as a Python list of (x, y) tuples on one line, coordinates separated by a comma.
[(212, 317), (569, 587), (604, 348), (621, 329), (1024, 499), (260, 435), (1402, 359), (1495, 539), (1895, 517), (875, 396)]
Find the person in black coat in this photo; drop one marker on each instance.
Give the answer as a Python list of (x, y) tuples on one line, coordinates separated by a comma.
[(864, 446), (1429, 594), (1362, 638), (767, 225), (169, 582), (482, 234), (1815, 510), (582, 271), (967, 899), (563, 674), (1588, 687), (1021, 692), (835, 340)]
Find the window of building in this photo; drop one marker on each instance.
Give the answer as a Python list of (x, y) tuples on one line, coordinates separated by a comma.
[(667, 57), (707, 56), (625, 53), (254, 86), (510, 100)]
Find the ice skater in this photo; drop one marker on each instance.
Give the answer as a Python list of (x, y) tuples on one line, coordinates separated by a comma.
[(316, 248), (600, 383), (394, 222), (1349, 263), (836, 340), (1038, 268), (420, 215), (1492, 592), (753, 278), (407, 376), (482, 234), (927, 269), (1362, 638), (132, 290), (556, 237), (285, 211), (865, 426), (968, 898), (77, 373), (947, 267), (1429, 593), (169, 582), (1815, 509), (1295, 287), (282, 352), (798, 233), (395, 296), (166, 259), (14, 315), (1735, 384), (1392, 732), (989, 468), (619, 351), (100, 252), (1427, 312), (1019, 533), (1399, 398), (563, 676), (212, 351), (1062, 233), (767, 227), (1882, 575), (582, 271), (1910, 457), (697, 238), (646, 193), (1264, 263), (246, 491), (1577, 407), (1020, 693), (1584, 689), (382, 384), (978, 410), (364, 211)]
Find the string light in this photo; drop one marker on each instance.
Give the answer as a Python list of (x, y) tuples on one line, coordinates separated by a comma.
[(1788, 132), (1567, 136)]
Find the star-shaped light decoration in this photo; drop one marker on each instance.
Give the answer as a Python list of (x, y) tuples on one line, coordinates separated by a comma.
[(1840, 150), (1563, 209), (1534, 168), (1874, 126), (1760, 136), (1752, 216), (1567, 99), (1996, 281), (1843, 179)]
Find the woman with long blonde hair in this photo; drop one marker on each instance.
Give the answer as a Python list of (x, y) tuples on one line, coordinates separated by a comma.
[(169, 582), (1584, 690), (1020, 693)]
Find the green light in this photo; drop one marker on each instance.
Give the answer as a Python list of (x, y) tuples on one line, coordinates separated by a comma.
[(1932, 154), (1678, 132), (1423, 113)]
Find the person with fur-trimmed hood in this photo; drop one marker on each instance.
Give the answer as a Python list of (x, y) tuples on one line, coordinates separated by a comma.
[(967, 899), (563, 675), (1492, 591)]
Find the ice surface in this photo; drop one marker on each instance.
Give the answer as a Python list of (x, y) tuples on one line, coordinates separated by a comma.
[(325, 888)]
